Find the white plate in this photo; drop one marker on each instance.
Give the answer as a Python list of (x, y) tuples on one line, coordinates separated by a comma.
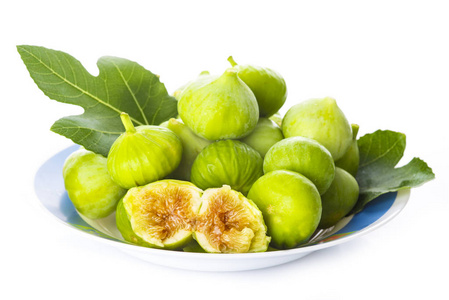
[(50, 190)]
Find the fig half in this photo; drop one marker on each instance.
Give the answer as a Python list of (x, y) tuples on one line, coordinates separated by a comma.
[(161, 214), (228, 222)]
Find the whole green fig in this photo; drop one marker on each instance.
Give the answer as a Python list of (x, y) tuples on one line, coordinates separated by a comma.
[(339, 199), (143, 154), (89, 186), (267, 85), (321, 120), (265, 135), (351, 159), (223, 108), (290, 205), (227, 162), (192, 145)]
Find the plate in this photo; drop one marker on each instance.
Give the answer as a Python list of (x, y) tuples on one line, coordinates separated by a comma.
[(49, 187)]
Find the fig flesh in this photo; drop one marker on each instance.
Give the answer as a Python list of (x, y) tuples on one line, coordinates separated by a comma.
[(351, 159), (228, 162), (90, 188), (339, 199), (321, 120), (291, 207), (228, 222), (143, 154), (223, 108), (304, 156), (265, 135), (161, 214), (267, 85)]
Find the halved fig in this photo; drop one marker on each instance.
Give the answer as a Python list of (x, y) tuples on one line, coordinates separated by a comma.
[(228, 222), (161, 214)]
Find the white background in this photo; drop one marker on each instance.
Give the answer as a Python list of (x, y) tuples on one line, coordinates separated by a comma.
[(386, 63)]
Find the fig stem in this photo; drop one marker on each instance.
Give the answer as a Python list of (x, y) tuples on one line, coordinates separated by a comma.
[(232, 61), (129, 127)]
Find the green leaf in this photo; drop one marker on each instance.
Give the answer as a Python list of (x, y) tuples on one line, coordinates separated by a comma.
[(121, 86), (380, 152)]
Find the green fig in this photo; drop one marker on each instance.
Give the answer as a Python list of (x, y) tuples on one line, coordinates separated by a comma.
[(227, 162), (227, 222), (277, 118), (304, 156), (321, 120), (339, 199), (265, 135), (143, 154), (192, 145), (351, 159), (89, 186), (223, 108), (267, 85), (161, 214), (290, 205)]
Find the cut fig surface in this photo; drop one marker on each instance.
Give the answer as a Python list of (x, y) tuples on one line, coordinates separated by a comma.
[(230, 223), (163, 213)]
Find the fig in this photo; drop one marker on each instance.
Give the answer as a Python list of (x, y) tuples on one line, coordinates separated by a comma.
[(227, 222), (202, 76), (161, 214), (89, 186), (227, 162), (192, 145), (143, 154), (304, 156), (267, 85), (339, 199), (222, 108), (351, 159), (321, 120), (277, 118), (290, 205), (265, 135)]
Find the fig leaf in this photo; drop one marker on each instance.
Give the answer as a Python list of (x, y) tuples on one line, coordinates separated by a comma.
[(121, 86), (379, 154)]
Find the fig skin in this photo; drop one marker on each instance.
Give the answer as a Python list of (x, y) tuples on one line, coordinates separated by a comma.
[(339, 199), (321, 120), (228, 222), (302, 155), (192, 145), (277, 118), (267, 85), (265, 135), (143, 154), (203, 76), (290, 205), (90, 188), (156, 208), (351, 159), (228, 162), (216, 109)]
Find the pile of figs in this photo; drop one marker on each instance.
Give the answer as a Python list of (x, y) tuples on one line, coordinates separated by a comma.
[(229, 175)]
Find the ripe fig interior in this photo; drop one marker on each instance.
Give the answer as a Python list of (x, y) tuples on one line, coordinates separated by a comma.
[(163, 215), (228, 223)]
